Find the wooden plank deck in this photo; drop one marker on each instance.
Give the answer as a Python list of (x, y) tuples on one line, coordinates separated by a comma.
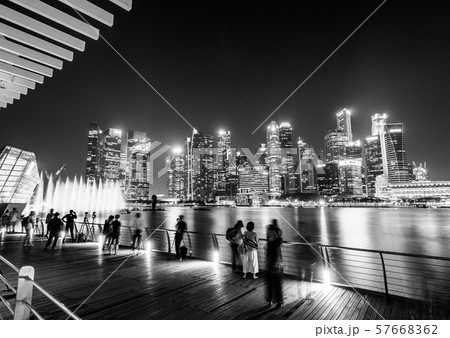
[(150, 286)]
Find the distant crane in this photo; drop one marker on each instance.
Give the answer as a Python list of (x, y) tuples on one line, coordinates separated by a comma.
[(60, 170)]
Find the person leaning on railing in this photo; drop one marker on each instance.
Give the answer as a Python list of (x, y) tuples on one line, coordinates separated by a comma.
[(181, 228)]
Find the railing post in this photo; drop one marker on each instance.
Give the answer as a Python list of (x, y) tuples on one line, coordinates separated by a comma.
[(24, 293), (168, 242), (386, 291)]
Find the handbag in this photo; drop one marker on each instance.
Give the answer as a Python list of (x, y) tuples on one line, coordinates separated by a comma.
[(242, 249)]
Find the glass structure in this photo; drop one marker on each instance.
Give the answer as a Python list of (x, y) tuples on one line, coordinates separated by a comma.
[(18, 175)]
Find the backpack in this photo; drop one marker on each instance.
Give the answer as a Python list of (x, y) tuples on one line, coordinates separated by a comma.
[(231, 232)]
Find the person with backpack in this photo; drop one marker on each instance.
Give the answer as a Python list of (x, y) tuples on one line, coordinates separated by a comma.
[(181, 228), (55, 226), (250, 259), (234, 238)]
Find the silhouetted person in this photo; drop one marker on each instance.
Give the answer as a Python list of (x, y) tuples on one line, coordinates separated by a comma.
[(234, 238), (47, 220), (70, 223), (115, 234), (15, 217), (274, 265), (29, 223), (181, 228), (6, 222), (55, 226), (154, 200), (106, 232), (138, 227), (250, 259)]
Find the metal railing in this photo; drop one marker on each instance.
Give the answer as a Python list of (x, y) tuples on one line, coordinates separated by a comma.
[(24, 294)]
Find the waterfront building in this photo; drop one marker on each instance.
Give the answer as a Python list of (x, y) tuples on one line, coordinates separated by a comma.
[(335, 143), (176, 176), (95, 154), (328, 178), (419, 189), (253, 185), (18, 178), (199, 167), (274, 159), (289, 183), (420, 173), (103, 161), (344, 123), (395, 164), (138, 176), (373, 163), (307, 168), (222, 173), (350, 177)]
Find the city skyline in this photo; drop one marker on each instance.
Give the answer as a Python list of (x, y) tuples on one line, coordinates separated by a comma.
[(232, 75)]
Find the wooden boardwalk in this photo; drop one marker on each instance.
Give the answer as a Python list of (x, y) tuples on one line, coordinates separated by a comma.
[(150, 286)]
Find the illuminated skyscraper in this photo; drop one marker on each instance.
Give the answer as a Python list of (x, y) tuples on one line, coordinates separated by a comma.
[(395, 164), (378, 123), (222, 173), (350, 171), (307, 168), (344, 123), (138, 167), (95, 154), (274, 159), (200, 167), (335, 143), (176, 175), (113, 145), (373, 162), (288, 178)]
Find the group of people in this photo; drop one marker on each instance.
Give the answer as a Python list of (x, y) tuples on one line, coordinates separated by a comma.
[(111, 233), (244, 247)]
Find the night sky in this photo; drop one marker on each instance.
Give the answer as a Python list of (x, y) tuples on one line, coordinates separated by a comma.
[(228, 64)]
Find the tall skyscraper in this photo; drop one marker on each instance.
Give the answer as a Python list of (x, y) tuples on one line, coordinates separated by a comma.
[(274, 159), (378, 123), (395, 164), (113, 147), (222, 174), (200, 167), (95, 154), (176, 176), (350, 171), (373, 163), (344, 123), (137, 186), (335, 143), (288, 179), (307, 168)]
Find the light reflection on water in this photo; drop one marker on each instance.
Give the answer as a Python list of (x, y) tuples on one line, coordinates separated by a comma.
[(418, 231)]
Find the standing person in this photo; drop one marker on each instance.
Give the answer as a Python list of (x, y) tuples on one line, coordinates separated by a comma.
[(138, 227), (49, 217), (6, 221), (106, 232), (115, 234), (250, 259), (181, 228), (29, 223), (154, 200), (274, 264), (234, 238), (15, 217), (55, 226), (70, 223)]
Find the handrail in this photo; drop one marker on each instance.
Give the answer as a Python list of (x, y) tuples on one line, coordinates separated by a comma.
[(53, 299), (38, 287)]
